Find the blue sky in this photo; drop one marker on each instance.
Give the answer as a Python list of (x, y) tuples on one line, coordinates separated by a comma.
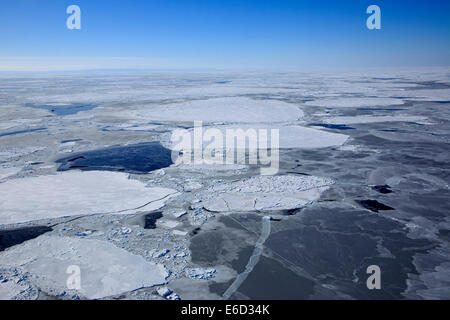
[(245, 34)]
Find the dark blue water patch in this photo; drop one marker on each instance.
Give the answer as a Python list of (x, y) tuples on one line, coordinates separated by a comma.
[(387, 79), (441, 102), (150, 220), (71, 140), (139, 159), (64, 110), (223, 82), (382, 189), (13, 133), (9, 238), (332, 126), (374, 205)]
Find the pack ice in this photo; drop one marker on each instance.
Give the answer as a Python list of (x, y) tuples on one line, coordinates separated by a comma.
[(105, 270), (228, 110), (76, 193), (265, 193)]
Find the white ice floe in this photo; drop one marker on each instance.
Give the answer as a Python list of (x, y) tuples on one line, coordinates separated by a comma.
[(179, 233), (228, 110), (76, 193), (290, 137), (164, 291), (265, 193), (355, 102), (178, 213), (373, 119), (105, 270)]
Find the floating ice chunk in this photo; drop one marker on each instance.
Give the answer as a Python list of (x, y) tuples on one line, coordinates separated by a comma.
[(105, 269), (159, 253), (76, 193), (230, 110), (265, 193), (355, 102), (173, 296), (179, 233), (372, 119), (178, 213), (125, 230), (164, 291), (201, 274)]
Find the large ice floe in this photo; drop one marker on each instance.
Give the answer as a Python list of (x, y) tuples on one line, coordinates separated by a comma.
[(104, 269), (265, 193), (290, 137), (76, 193), (224, 110)]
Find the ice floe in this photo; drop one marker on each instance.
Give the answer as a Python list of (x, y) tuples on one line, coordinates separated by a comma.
[(76, 193), (265, 193), (228, 110), (105, 270), (290, 137)]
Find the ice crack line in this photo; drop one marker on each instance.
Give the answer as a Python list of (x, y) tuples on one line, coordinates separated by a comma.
[(252, 262)]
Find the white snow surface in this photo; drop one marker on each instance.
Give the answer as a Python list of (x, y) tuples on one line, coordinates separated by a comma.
[(229, 110), (290, 137), (265, 193), (75, 193), (105, 270)]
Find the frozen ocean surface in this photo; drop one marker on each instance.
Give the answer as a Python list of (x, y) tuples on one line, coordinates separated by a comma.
[(88, 177)]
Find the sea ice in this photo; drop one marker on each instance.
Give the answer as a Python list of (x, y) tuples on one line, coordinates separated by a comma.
[(201, 274), (265, 193), (7, 172), (229, 110), (355, 102), (373, 119), (76, 193), (105, 270), (290, 137)]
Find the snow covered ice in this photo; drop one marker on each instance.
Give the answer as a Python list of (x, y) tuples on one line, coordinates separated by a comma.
[(75, 193), (209, 231)]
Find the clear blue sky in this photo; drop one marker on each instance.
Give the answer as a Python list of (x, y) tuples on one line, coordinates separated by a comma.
[(223, 34)]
